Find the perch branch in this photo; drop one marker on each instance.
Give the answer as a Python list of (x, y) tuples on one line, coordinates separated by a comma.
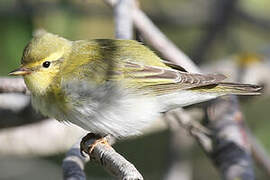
[(104, 155), (112, 161)]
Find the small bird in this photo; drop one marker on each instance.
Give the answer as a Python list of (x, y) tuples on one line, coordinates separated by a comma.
[(109, 86)]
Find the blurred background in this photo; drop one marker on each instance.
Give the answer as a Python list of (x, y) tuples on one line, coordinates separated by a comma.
[(230, 36)]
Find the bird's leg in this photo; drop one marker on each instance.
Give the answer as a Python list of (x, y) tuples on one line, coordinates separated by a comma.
[(90, 141)]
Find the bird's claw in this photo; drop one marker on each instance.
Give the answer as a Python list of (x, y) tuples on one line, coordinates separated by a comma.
[(90, 141)]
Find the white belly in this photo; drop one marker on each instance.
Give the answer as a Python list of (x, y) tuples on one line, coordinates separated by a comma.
[(120, 114), (126, 115)]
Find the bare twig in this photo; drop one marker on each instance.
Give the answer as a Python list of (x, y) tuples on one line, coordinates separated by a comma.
[(15, 106), (16, 110), (13, 85), (113, 162), (193, 127), (178, 163), (39, 139), (123, 20), (104, 155), (73, 164)]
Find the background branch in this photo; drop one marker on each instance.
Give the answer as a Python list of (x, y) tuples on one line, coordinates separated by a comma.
[(73, 164), (222, 13), (231, 151), (157, 39), (260, 22), (123, 20), (12, 85), (43, 138), (15, 106)]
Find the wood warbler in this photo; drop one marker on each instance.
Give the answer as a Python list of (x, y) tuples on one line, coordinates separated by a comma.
[(110, 86)]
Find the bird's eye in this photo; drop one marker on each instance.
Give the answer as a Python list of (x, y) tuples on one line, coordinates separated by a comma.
[(46, 64)]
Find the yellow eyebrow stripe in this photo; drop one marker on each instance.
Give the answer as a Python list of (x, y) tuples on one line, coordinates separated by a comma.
[(52, 57)]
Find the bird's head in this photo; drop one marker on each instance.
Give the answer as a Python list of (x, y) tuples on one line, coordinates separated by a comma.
[(41, 61)]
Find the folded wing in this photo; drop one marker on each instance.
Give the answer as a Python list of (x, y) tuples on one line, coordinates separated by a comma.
[(162, 80)]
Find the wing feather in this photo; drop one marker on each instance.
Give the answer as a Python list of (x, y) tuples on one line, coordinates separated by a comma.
[(151, 73), (163, 80), (174, 66)]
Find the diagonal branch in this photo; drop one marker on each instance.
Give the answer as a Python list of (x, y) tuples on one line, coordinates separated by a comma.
[(231, 151), (104, 155)]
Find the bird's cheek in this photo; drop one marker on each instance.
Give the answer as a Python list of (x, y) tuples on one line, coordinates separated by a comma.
[(38, 82)]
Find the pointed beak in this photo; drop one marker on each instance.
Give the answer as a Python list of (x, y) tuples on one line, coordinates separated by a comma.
[(20, 72)]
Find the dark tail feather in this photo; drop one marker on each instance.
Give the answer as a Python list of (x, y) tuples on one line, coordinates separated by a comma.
[(240, 89)]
